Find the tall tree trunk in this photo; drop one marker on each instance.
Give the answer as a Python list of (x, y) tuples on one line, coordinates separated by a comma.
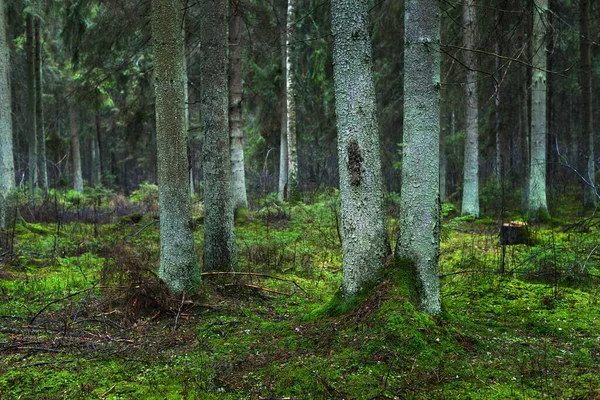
[(292, 182), (75, 146), (31, 103), (444, 127), (219, 239), (537, 205), (419, 238), (589, 194), (99, 143), (364, 231), (283, 147), (236, 133), (39, 109), (178, 263), (7, 166), (96, 174), (470, 199)]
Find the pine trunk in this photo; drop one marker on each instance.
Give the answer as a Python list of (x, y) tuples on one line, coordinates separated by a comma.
[(7, 167), (178, 263), (364, 231), (219, 238), (419, 238), (470, 200), (537, 205), (236, 133)]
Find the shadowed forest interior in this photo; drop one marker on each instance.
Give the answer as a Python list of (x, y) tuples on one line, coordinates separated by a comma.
[(299, 199)]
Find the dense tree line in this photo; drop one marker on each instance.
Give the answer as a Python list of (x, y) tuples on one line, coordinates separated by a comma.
[(489, 104)]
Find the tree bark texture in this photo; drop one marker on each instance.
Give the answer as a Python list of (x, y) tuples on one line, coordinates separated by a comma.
[(178, 263), (292, 182), (236, 133), (364, 231), (31, 103), (39, 109), (419, 238), (590, 193), (7, 166), (219, 239), (75, 146), (537, 205), (283, 148), (470, 199)]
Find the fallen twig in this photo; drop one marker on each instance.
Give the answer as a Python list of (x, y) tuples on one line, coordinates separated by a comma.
[(257, 274), (37, 314)]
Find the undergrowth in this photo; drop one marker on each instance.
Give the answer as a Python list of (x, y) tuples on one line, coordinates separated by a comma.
[(83, 314)]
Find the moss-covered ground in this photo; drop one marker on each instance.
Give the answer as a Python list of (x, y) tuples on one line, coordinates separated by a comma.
[(82, 314)]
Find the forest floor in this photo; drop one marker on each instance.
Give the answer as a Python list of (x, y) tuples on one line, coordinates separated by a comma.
[(82, 314)]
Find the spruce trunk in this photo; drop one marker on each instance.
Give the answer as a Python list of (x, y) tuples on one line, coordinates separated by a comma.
[(7, 166), (537, 205), (236, 133), (419, 238), (219, 238), (364, 233), (470, 199), (178, 263)]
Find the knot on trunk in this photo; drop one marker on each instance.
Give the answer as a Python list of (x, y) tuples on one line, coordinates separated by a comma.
[(355, 160)]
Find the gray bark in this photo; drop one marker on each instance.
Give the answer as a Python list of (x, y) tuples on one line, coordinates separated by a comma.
[(419, 237), (7, 167), (75, 146), (39, 109), (219, 238), (292, 150), (283, 148), (178, 263), (31, 103), (537, 205), (470, 199), (236, 132), (364, 232)]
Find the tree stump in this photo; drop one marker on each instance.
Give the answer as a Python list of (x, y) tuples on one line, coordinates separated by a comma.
[(514, 232)]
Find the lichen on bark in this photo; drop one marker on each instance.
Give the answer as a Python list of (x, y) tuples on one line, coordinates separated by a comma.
[(364, 233), (7, 167), (219, 239), (420, 210), (178, 263)]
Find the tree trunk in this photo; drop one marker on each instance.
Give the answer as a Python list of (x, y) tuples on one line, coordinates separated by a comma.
[(470, 200), (236, 133), (219, 238), (7, 166), (39, 109), (178, 263), (31, 103), (292, 182), (283, 147), (99, 143), (589, 194), (75, 147), (364, 231), (537, 205), (95, 175), (419, 238)]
